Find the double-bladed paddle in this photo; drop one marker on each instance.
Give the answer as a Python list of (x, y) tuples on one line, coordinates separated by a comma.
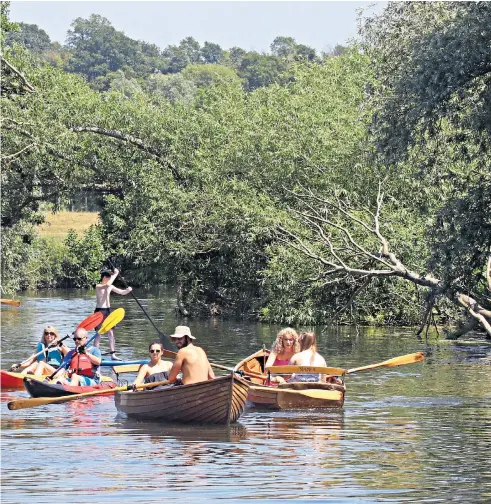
[(89, 323), (111, 320), (41, 401), (11, 302)]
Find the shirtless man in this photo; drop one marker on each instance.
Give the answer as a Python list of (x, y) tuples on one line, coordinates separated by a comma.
[(102, 293), (190, 359)]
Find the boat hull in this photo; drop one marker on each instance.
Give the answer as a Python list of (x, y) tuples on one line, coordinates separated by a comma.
[(218, 401), (297, 395), (14, 381), (47, 389)]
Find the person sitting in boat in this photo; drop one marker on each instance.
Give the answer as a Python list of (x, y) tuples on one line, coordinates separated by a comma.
[(83, 369), (50, 359), (157, 369), (284, 348), (308, 356), (191, 360)]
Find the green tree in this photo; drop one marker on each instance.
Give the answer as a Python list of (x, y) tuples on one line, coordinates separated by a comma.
[(30, 36), (211, 53)]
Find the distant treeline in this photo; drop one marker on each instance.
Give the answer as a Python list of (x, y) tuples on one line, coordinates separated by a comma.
[(111, 60)]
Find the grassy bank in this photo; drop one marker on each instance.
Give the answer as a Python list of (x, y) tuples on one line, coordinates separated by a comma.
[(57, 225)]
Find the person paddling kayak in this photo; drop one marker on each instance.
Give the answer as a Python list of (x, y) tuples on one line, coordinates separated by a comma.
[(102, 293)]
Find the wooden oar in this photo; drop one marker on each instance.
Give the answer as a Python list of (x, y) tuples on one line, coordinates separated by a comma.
[(88, 323), (41, 401), (11, 302), (166, 343), (396, 361), (111, 320)]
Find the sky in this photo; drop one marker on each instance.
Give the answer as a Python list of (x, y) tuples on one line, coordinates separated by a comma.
[(249, 25)]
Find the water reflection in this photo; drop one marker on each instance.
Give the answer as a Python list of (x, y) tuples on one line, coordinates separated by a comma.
[(417, 433)]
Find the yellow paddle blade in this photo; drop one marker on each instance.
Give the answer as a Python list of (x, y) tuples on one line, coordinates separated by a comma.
[(396, 361), (11, 302), (111, 320), (306, 370), (127, 368)]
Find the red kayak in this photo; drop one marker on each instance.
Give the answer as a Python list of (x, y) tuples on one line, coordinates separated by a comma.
[(38, 388), (14, 381)]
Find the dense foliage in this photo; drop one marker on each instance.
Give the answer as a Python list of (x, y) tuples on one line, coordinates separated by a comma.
[(285, 186)]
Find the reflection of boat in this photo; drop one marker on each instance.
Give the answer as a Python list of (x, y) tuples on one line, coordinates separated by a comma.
[(14, 381), (47, 389), (296, 395), (217, 401), (157, 430)]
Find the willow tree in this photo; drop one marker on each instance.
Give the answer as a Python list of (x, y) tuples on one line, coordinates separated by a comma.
[(431, 132)]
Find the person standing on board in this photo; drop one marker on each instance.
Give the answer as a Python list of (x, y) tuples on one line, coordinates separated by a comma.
[(190, 359), (102, 293)]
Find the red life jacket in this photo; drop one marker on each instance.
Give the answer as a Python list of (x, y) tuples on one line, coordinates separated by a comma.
[(81, 365)]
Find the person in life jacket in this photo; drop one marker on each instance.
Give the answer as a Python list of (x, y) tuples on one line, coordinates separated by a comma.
[(83, 369)]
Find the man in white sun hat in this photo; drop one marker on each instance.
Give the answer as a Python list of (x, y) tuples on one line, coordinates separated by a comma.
[(190, 359)]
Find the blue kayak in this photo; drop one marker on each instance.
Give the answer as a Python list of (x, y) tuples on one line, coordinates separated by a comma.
[(112, 363)]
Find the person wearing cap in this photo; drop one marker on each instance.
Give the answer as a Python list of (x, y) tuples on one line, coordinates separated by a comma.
[(102, 293), (190, 360)]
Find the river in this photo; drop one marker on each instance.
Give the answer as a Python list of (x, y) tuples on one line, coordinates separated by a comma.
[(416, 433)]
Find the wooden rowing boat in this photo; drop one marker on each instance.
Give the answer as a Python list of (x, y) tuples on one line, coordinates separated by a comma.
[(38, 388), (217, 401), (290, 395)]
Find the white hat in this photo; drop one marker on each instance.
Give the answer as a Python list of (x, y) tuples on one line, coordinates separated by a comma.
[(182, 330)]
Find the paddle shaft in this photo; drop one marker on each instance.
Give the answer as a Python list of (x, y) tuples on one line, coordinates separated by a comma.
[(111, 320), (162, 336), (88, 323), (51, 345), (41, 401), (11, 302), (396, 361)]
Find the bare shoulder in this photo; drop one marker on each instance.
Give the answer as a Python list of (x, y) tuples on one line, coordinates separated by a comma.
[(167, 365)]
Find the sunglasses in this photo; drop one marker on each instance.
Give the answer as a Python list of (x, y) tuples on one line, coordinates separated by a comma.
[(49, 333), (155, 351), (78, 339)]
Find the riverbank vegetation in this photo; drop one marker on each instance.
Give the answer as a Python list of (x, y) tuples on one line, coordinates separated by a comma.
[(292, 187)]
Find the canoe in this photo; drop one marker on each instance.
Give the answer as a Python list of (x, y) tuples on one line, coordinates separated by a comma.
[(290, 395), (47, 389), (13, 381), (10, 380), (218, 401)]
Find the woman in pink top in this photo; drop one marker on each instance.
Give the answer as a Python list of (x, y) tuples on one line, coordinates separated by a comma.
[(284, 347)]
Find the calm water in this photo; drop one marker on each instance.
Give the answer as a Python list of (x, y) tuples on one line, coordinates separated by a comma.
[(418, 433)]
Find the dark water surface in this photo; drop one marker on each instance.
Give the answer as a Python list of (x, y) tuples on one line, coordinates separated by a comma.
[(417, 433)]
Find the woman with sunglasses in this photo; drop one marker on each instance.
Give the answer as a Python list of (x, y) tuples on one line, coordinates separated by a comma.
[(48, 361), (157, 369)]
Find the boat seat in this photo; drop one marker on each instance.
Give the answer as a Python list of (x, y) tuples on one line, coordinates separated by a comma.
[(255, 368), (311, 385)]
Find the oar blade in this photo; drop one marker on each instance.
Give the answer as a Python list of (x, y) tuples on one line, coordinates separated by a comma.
[(114, 318), (396, 361), (91, 322)]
